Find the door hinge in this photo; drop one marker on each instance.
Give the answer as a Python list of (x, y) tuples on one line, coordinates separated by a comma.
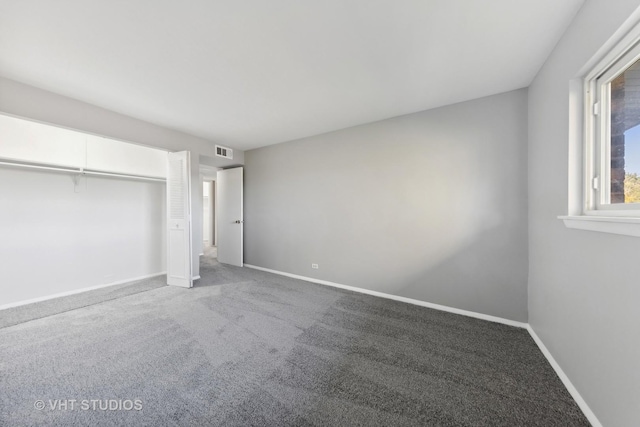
[(596, 108), (595, 182)]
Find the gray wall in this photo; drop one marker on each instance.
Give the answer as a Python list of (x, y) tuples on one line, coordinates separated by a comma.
[(584, 289), (32, 103), (431, 206)]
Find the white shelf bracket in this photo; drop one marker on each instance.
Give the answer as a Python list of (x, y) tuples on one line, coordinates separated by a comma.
[(77, 180)]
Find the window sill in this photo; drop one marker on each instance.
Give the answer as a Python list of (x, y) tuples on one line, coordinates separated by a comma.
[(626, 226)]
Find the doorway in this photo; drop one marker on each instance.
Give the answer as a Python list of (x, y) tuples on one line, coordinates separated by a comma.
[(222, 224), (209, 235)]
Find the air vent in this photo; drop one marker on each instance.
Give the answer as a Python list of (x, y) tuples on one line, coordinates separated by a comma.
[(225, 152)]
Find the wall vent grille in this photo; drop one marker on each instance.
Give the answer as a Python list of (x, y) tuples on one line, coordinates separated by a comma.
[(225, 152)]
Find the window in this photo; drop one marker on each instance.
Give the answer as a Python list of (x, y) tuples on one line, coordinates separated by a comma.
[(615, 138), (604, 170)]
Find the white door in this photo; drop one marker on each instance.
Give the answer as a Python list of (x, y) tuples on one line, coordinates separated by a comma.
[(179, 219), (230, 217)]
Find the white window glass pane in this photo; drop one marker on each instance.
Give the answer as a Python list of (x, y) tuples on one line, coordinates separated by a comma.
[(625, 136), (632, 165)]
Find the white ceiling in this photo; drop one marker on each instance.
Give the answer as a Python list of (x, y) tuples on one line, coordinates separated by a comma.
[(249, 73)]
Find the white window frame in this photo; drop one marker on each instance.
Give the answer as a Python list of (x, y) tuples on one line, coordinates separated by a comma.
[(598, 144), (590, 164)]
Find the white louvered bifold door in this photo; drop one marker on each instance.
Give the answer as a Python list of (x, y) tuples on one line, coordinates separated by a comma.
[(179, 219)]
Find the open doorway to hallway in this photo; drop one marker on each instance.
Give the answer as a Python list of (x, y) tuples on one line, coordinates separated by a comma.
[(222, 219), (209, 236)]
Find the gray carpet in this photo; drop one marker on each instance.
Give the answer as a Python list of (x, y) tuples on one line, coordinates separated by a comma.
[(38, 310), (246, 347)]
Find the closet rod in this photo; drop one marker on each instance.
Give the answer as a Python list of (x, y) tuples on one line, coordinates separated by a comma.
[(80, 171), (33, 166), (121, 175)]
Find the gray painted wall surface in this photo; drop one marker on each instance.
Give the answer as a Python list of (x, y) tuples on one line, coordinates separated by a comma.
[(32, 103), (583, 286), (431, 206)]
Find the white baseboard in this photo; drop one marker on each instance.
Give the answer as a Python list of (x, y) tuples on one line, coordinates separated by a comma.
[(398, 298), (565, 380), (79, 291), (195, 277)]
